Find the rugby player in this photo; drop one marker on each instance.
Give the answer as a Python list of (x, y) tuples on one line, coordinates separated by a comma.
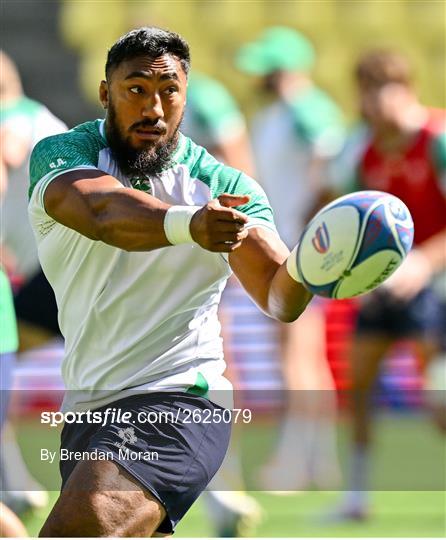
[(23, 123), (400, 149), (295, 137), (138, 229), (10, 524)]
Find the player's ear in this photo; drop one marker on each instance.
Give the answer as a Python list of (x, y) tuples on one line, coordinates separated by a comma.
[(103, 94)]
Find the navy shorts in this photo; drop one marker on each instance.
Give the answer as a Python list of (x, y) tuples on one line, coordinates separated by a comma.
[(176, 460), (423, 316)]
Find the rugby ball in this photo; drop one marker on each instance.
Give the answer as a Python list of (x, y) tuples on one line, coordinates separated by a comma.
[(354, 244)]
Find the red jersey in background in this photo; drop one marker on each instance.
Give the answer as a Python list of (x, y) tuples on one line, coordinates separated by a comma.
[(414, 175)]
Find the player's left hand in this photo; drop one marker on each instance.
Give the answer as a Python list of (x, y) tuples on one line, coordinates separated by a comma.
[(411, 277)]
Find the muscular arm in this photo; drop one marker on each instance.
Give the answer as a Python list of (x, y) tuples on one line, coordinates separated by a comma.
[(259, 264), (99, 207)]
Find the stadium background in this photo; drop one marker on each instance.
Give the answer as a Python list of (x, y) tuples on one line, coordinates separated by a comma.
[(60, 48)]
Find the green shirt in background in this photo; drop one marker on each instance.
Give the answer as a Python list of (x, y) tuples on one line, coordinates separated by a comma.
[(318, 121), (212, 115), (288, 138), (8, 327)]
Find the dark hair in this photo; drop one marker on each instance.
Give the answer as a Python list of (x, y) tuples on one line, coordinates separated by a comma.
[(150, 41), (380, 66)]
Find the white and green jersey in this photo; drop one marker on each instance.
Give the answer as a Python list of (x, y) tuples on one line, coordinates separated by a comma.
[(136, 321)]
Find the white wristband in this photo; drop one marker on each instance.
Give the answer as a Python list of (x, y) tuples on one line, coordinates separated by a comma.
[(176, 224), (291, 265)]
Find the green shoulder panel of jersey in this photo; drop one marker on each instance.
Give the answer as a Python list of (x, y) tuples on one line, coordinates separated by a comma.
[(316, 114), (66, 151), (223, 179)]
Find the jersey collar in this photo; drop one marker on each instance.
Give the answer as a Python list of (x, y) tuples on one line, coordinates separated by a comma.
[(102, 130)]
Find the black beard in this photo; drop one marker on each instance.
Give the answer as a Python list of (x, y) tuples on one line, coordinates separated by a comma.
[(133, 162)]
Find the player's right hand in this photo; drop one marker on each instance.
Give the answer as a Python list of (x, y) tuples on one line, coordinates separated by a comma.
[(218, 226)]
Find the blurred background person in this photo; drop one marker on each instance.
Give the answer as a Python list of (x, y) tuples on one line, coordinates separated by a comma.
[(23, 123), (400, 149), (294, 138), (213, 119), (10, 525)]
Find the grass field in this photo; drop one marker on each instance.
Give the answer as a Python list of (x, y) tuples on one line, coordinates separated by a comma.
[(392, 513)]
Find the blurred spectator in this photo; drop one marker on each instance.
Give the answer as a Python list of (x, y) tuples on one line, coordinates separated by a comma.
[(213, 120), (23, 123), (10, 524), (400, 149), (293, 140)]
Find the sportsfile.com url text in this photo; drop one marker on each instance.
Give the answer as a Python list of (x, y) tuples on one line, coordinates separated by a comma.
[(114, 415)]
